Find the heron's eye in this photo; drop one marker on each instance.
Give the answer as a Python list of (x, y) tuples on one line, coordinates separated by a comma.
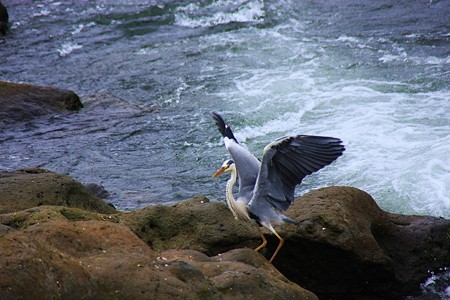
[(230, 162)]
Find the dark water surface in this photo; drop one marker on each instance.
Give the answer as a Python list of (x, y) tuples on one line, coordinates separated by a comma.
[(375, 73)]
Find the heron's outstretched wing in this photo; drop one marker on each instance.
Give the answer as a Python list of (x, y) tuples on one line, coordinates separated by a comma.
[(247, 165), (287, 161)]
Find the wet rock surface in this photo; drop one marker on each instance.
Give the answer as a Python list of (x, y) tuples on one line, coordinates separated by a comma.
[(105, 260), (27, 188), (345, 247), (196, 224), (24, 102)]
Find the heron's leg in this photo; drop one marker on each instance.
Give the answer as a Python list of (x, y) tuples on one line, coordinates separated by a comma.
[(264, 243), (279, 245)]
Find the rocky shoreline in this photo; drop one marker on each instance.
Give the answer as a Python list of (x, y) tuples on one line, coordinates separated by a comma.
[(58, 239)]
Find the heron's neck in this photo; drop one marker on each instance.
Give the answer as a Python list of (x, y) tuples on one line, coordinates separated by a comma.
[(238, 209)]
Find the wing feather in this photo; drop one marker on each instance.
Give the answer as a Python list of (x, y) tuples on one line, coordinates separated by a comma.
[(287, 161)]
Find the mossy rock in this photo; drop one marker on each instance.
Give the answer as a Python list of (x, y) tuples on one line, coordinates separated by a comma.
[(29, 188), (197, 224), (43, 214)]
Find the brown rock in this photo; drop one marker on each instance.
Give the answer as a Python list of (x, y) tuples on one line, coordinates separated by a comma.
[(23, 102), (4, 229), (346, 247), (237, 274), (28, 188), (42, 214), (196, 224), (61, 259), (103, 260)]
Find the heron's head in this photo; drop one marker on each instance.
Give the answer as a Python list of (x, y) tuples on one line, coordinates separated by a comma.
[(227, 166)]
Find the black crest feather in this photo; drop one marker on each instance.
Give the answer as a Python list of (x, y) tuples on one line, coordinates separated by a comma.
[(224, 128)]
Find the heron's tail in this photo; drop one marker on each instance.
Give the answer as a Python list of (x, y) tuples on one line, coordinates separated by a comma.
[(224, 128), (289, 220)]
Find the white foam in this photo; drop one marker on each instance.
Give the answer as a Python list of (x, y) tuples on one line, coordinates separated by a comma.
[(77, 29), (67, 48), (397, 143), (426, 180), (387, 58), (399, 55), (351, 39), (402, 158), (193, 15), (435, 284), (433, 60), (42, 13)]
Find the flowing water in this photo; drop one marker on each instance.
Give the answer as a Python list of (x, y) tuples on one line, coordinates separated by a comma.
[(374, 73)]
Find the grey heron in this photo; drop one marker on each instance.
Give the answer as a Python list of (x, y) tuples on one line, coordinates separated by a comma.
[(267, 187)]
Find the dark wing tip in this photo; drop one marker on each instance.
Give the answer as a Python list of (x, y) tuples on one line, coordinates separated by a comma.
[(292, 158), (327, 146), (224, 129)]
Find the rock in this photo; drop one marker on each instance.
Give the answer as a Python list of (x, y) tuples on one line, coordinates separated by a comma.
[(25, 218), (67, 252), (103, 260), (346, 247), (29, 188), (98, 190), (4, 229), (237, 274), (4, 19), (197, 224), (63, 259), (23, 102)]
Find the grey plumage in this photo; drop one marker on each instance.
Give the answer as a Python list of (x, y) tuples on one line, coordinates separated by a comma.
[(247, 165), (269, 185), (290, 159)]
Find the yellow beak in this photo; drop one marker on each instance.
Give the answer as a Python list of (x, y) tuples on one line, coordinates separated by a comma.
[(220, 171)]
